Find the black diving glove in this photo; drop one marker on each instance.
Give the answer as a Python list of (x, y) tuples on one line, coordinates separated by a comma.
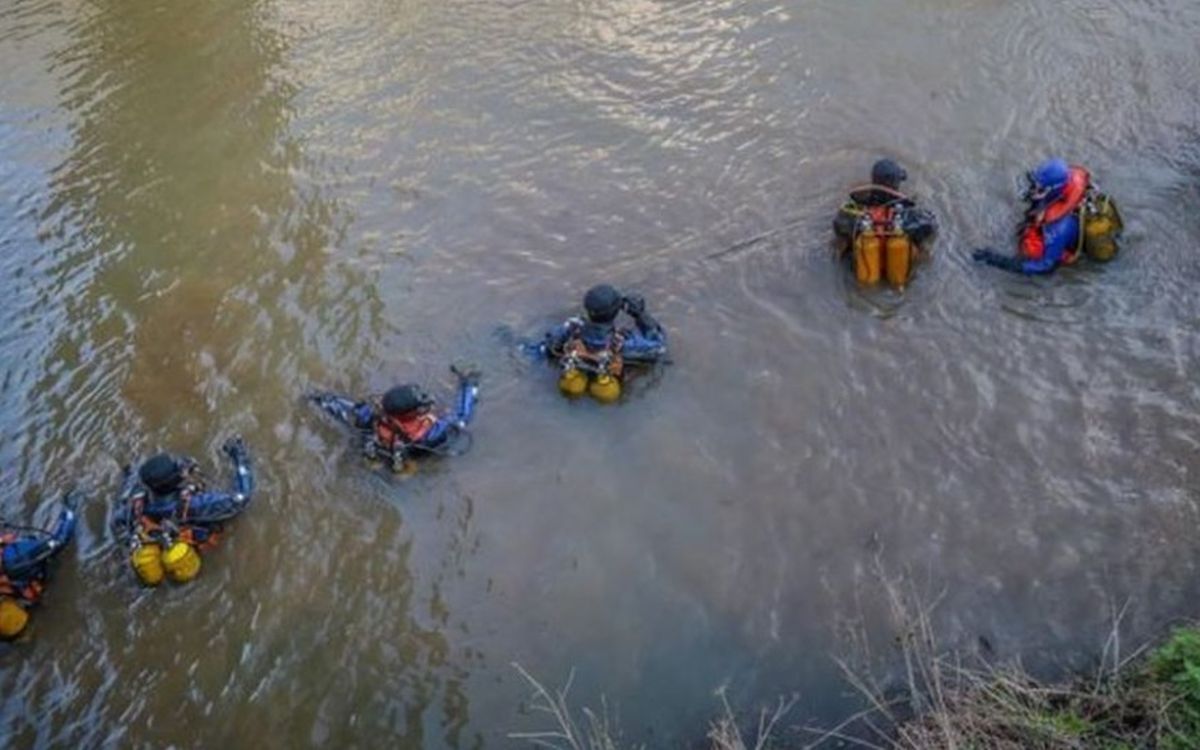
[(72, 499), (918, 223), (467, 373), (634, 304), (993, 258), (235, 448)]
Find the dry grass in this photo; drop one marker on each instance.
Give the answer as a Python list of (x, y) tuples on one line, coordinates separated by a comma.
[(951, 705), (724, 733), (565, 732), (598, 731)]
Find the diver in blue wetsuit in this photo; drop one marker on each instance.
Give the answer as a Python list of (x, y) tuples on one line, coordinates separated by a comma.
[(1066, 217), (167, 513), (25, 556), (593, 351), (402, 423)]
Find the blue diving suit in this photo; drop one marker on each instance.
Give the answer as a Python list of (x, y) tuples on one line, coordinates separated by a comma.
[(1050, 236), (403, 422), (645, 343), (182, 501), (25, 555)]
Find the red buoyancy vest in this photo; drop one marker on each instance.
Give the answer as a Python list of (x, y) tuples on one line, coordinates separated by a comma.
[(409, 429), (1033, 244)]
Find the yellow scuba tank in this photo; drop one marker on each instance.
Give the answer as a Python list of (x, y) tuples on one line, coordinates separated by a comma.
[(13, 618), (146, 560), (181, 561), (1101, 225), (573, 383), (605, 388), (899, 259), (868, 257)]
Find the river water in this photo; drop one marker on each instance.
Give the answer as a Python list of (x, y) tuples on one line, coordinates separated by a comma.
[(211, 206)]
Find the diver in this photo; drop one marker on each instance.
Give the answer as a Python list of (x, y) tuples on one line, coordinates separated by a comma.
[(593, 351), (168, 515), (1066, 215), (403, 423), (883, 227), (25, 555)]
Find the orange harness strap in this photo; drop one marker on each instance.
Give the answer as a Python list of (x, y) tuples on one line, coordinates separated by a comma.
[(30, 593), (881, 188), (595, 360)]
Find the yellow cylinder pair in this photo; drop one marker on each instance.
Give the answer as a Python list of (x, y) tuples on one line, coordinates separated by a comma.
[(604, 387), (878, 256), (13, 618), (180, 562)]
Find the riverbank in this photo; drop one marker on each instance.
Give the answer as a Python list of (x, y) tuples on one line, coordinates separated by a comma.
[(1149, 699)]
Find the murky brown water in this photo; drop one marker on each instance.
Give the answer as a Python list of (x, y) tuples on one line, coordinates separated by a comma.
[(210, 206)]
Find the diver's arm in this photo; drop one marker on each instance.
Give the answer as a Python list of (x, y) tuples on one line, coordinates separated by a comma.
[(637, 348), (24, 558), (649, 342), (243, 475), (213, 507), (64, 527), (918, 223), (992, 258), (357, 414), (1034, 257), (465, 402), (121, 520), (1039, 267), (1043, 265), (552, 344), (129, 485), (467, 397), (434, 437), (647, 326)]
